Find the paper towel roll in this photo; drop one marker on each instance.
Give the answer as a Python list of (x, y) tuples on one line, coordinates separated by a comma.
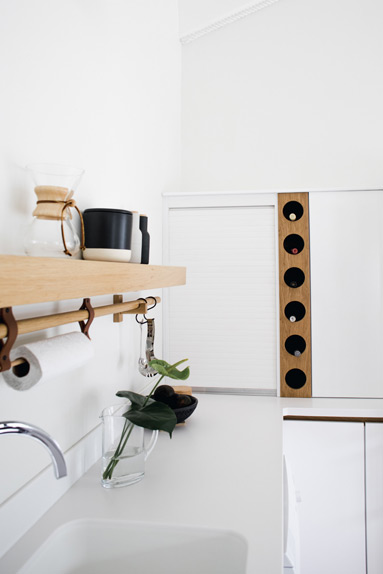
[(48, 358)]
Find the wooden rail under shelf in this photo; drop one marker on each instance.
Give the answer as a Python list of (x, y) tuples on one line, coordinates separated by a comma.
[(26, 280), (34, 324)]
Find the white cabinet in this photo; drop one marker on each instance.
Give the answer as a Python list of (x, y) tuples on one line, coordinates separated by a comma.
[(374, 497), (336, 476), (225, 318), (346, 243), (327, 467)]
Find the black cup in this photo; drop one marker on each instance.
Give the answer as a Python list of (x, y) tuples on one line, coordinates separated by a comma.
[(107, 228)]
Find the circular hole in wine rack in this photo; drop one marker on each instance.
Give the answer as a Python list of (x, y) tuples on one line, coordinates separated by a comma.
[(295, 311), (295, 345), (293, 210), (294, 277), (293, 244), (295, 378)]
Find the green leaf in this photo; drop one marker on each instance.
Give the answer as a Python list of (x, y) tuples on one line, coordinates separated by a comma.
[(171, 371), (179, 375), (160, 366), (154, 416), (136, 399)]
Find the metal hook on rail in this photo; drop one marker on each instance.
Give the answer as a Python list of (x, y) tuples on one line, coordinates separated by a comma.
[(148, 309), (155, 303), (144, 316)]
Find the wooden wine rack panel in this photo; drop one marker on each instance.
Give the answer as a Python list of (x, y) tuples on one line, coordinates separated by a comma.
[(295, 370)]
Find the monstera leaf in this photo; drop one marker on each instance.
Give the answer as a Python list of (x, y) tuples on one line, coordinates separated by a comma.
[(171, 371), (147, 413)]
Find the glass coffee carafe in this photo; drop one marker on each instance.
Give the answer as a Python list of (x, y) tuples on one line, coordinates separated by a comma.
[(51, 233)]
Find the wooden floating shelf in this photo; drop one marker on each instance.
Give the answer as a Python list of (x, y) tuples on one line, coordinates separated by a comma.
[(27, 280)]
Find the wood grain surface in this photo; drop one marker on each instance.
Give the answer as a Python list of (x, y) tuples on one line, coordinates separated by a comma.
[(26, 280), (288, 294)]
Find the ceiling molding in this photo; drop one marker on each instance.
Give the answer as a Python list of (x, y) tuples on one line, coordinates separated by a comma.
[(222, 22)]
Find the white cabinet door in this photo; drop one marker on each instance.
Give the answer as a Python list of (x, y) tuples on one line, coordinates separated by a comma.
[(374, 497), (225, 318), (346, 244), (327, 464)]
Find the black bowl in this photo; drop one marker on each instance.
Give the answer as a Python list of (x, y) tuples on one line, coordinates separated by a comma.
[(182, 413)]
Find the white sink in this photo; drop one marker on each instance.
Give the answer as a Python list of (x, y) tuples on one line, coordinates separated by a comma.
[(107, 546)]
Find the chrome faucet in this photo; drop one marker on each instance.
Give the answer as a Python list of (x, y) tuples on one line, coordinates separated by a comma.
[(14, 427)]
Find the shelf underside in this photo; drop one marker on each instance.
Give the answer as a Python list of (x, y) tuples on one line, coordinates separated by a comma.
[(26, 280)]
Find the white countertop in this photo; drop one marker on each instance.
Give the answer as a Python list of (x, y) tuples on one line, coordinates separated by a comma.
[(221, 469)]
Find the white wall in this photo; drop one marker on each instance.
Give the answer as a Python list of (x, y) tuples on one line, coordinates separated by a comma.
[(93, 83), (200, 14), (288, 97)]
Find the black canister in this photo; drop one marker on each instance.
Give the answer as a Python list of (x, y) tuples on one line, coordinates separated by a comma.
[(107, 228), (145, 239)]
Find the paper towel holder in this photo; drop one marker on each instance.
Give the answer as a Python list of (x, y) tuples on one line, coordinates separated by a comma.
[(10, 328), (7, 317)]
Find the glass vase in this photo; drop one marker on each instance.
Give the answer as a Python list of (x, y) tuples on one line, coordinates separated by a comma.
[(125, 448)]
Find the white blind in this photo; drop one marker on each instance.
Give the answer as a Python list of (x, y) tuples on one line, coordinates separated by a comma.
[(224, 319)]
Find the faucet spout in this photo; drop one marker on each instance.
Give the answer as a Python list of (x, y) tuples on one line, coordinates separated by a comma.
[(15, 427)]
